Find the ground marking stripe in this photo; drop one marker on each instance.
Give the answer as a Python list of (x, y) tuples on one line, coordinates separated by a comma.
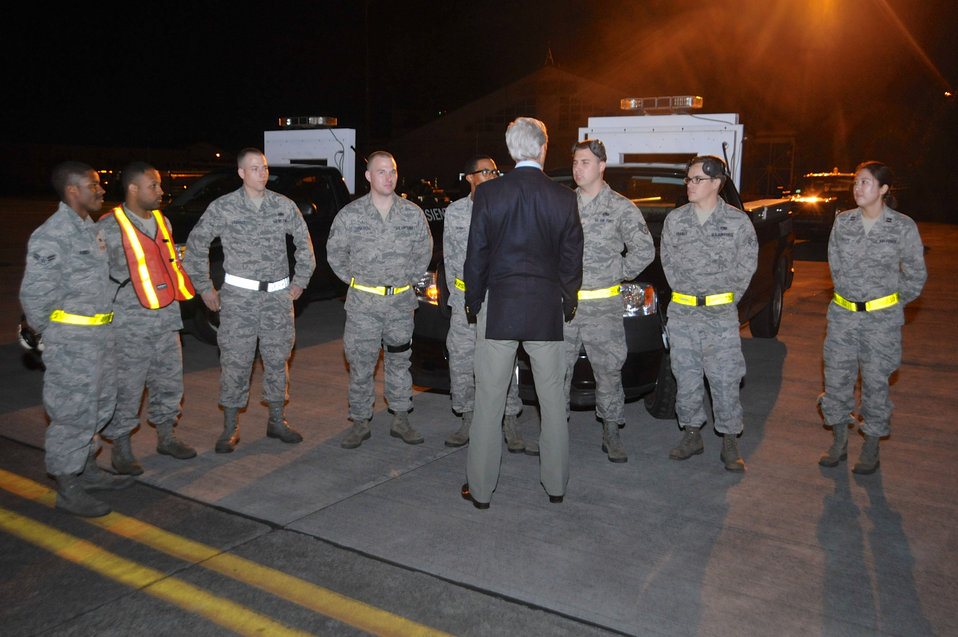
[(316, 598), (151, 581)]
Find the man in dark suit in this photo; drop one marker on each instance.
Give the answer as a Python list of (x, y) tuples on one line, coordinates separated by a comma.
[(522, 273)]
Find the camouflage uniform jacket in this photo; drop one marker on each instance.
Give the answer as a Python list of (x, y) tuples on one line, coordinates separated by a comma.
[(128, 312), (889, 259), (67, 270), (717, 257), (455, 239), (609, 223), (392, 252), (254, 241)]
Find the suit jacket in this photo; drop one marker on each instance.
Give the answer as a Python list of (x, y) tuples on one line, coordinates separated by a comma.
[(525, 250)]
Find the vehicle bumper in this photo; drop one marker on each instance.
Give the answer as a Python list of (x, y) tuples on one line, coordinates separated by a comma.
[(643, 334)]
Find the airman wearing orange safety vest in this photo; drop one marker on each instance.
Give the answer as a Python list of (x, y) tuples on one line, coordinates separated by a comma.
[(156, 273), (149, 278)]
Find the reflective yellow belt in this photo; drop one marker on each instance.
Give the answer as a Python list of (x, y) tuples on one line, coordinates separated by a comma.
[(712, 299), (460, 284), (382, 290), (605, 293), (59, 316), (867, 306)]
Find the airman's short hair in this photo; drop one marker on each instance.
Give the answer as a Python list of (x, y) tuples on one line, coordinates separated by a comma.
[(68, 173)]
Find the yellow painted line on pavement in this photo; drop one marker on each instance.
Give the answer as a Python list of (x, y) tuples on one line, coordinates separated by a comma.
[(316, 598), (151, 581)]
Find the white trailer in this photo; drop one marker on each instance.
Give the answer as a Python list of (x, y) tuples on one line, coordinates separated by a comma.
[(718, 134), (325, 146)]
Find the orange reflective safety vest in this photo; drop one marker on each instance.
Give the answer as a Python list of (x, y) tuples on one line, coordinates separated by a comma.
[(155, 269)]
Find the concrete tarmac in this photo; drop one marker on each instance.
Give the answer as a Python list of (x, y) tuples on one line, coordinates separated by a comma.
[(652, 546)]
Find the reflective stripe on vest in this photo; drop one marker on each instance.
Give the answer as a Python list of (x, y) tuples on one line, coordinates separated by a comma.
[(184, 287), (155, 271), (605, 293), (460, 284), (867, 306), (723, 298), (59, 316)]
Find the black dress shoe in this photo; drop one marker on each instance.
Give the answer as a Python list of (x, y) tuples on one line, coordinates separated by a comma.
[(555, 499), (468, 496)]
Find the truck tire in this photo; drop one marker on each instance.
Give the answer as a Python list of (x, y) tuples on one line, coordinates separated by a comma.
[(206, 323), (765, 324), (660, 403)]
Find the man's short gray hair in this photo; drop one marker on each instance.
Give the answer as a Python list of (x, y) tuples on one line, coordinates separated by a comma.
[(525, 138)]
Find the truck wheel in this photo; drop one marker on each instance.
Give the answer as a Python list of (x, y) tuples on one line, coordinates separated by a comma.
[(765, 324), (206, 323), (660, 403)]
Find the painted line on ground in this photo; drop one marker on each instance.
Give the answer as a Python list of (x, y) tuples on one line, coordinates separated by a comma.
[(316, 598), (222, 611)]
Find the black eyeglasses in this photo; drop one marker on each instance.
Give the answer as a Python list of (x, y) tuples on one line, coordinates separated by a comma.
[(485, 172), (697, 179)]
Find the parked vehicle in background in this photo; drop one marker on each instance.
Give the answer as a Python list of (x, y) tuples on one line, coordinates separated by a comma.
[(816, 200), (656, 188), (433, 201), (318, 191)]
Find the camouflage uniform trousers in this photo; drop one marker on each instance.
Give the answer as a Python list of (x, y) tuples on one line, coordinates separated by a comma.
[(365, 334), (871, 342), (603, 335), (245, 317), (711, 347), (151, 361), (79, 395), (461, 344)]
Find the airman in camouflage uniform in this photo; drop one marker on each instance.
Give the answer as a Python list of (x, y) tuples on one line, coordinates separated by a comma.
[(877, 263), (257, 295), (461, 338), (709, 253), (148, 351), (380, 245), (610, 222), (66, 297)]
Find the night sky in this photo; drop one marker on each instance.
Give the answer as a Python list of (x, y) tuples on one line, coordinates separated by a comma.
[(850, 77)]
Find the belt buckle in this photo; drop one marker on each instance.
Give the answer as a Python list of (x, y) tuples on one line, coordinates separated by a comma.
[(699, 300), (388, 290), (264, 286), (861, 306)]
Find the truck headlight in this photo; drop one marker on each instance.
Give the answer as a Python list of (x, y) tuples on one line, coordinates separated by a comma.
[(427, 291), (640, 299)]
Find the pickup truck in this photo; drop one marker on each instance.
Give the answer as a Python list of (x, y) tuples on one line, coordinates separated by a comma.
[(656, 189)]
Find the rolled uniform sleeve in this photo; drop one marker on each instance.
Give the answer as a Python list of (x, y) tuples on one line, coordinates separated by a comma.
[(913, 270), (640, 249), (746, 243), (41, 280), (455, 236), (675, 270), (421, 253), (337, 247), (196, 258), (305, 259)]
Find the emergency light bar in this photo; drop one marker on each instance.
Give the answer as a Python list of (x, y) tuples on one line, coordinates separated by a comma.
[(312, 121), (666, 104)]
